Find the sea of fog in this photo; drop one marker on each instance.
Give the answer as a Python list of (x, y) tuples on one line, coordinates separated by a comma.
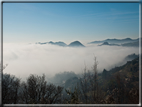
[(26, 59)]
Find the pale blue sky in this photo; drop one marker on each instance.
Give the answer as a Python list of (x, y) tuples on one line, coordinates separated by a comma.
[(86, 22)]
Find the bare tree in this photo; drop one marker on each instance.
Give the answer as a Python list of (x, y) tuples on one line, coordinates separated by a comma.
[(74, 96), (95, 84), (89, 85), (84, 85), (53, 93), (35, 91), (10, 88)]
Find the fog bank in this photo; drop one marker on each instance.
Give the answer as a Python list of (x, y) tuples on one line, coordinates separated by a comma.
[(26, 59)]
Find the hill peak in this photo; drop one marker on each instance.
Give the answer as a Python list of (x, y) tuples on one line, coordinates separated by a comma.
[(76, 44)]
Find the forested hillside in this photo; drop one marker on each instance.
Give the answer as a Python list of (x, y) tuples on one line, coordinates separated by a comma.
[(120, 85)]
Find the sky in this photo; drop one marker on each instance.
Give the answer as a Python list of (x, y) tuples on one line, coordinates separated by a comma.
[(67, 22)]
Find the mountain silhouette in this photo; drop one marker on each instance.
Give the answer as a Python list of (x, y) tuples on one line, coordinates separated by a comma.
[(106, 43), (131, 44), (72, 44), (114, 41), (76, 44), (131, 57), (53, 43), (41, 43), (57, 43)]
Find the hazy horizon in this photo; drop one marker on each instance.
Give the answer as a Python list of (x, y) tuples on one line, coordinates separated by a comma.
[(67, 42)]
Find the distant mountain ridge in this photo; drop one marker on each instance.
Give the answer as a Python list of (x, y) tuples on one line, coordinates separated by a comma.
[(57, 43), (72, 44), (127, 42), (106, 43), (113, 41), (131, 44), (131, 57)]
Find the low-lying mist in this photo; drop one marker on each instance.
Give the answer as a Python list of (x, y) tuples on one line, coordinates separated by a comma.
[(26, 59)]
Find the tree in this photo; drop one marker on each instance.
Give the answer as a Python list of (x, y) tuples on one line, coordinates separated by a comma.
[(10, 89), (84, 85), (53, 93), (74, 96), (35, 91), (90, 89), (95, 85)]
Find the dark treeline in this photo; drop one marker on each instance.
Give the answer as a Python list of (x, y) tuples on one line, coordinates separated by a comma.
[(119, 85)]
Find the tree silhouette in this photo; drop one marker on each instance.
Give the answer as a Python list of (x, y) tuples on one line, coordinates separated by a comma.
[(10, 88), (36, 91)]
